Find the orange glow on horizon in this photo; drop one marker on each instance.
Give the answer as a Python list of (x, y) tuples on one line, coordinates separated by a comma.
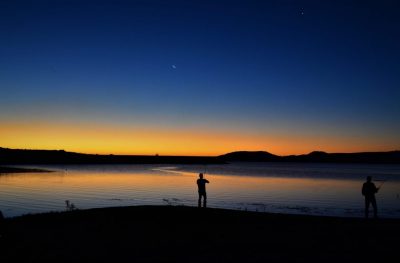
[(98, 138)]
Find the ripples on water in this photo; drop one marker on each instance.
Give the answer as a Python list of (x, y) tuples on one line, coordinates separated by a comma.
[(318, 189)]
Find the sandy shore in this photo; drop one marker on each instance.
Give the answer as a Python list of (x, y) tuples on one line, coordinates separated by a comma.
[(188, 234)]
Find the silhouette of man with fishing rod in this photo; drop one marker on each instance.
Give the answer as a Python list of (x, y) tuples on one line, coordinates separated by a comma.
[(201, 184), (368, 191)]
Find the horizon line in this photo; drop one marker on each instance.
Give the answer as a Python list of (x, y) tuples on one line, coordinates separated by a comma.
[(167, 155)]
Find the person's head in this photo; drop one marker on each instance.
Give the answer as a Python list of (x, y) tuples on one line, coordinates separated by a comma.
[(201, 176), (369, 178)]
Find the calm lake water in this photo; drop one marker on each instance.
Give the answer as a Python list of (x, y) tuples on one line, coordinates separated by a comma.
[(317, 189)]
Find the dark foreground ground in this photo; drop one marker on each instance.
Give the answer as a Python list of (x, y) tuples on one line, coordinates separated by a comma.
[(187, 234)]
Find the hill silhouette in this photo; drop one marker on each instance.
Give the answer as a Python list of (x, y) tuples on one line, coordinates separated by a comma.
[(246, 156), (18, 156), (315, 156)]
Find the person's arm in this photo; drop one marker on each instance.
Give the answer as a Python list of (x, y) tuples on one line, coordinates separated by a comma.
[(376, 188), (363, 190), (206, 181)]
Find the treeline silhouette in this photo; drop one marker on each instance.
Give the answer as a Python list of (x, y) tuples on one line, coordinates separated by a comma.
[(18, 156)]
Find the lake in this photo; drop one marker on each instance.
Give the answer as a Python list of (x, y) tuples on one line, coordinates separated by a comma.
[(299, 188)]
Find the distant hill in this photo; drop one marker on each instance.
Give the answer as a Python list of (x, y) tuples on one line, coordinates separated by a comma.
[(17, 156), (316, 156), (245, 156)]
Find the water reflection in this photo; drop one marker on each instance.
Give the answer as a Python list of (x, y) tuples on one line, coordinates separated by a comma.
[(101, 186)]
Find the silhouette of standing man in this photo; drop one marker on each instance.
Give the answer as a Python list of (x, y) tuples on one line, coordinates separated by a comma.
[(368, 191), (201, 184)]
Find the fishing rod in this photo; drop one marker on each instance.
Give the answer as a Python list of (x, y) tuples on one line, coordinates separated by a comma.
[(381, 183)]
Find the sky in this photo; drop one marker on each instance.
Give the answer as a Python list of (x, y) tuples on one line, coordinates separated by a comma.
[(200, 77)]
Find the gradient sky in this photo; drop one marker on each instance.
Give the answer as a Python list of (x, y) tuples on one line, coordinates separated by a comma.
[(200, 77)]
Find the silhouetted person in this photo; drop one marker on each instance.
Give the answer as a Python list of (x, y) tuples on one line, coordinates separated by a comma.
[(368, 191), (201, 183)]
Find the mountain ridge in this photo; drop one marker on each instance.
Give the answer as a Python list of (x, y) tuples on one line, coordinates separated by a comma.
[(316, 156), (27, 156)]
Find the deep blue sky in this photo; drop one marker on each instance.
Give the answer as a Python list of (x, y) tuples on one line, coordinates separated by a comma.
[(330, 68)]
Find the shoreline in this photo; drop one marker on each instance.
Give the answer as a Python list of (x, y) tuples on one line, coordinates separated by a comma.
[(182, 234), (8, 170)]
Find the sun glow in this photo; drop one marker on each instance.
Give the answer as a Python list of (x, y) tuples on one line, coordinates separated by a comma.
[(139, 139)]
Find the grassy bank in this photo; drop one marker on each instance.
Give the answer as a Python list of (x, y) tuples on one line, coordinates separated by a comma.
[(188, 234)]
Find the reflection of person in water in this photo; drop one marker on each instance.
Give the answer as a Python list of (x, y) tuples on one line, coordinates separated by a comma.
[(368, 191), (201, 183)]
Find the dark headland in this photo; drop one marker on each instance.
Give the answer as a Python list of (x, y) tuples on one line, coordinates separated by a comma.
[(6, 170), (188, 234), (18, 156)]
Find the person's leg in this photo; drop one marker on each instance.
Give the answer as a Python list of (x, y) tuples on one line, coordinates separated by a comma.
[(199, 202), (366, 207), (373, 202), (205, 200)]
